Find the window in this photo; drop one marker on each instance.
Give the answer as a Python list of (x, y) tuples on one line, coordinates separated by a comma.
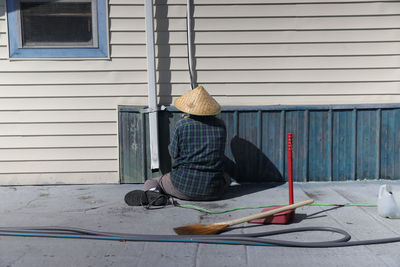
[(57, 28)]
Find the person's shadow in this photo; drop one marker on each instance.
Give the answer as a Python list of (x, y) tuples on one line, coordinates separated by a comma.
[(250, 164), (250, 168)]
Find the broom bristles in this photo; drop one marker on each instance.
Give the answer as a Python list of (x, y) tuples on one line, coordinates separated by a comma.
[(200, 229)]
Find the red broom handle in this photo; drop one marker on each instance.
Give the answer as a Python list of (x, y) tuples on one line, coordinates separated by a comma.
[(290, 168)]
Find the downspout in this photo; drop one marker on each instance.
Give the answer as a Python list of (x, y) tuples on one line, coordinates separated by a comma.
[(189, 42), (152, 86)]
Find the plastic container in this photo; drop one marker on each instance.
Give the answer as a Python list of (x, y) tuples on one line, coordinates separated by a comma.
[(388, 202)]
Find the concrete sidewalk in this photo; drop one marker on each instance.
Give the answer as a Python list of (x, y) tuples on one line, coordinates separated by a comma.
[(101, 208)]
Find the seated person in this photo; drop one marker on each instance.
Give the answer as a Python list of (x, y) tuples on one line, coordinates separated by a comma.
[(197, 150)]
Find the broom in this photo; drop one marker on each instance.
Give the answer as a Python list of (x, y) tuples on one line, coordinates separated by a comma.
[(211, 229)]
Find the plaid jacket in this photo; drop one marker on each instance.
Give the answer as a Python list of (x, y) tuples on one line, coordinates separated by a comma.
[(197, 148)]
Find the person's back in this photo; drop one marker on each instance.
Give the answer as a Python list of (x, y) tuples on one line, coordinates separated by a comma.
[(197, 149)]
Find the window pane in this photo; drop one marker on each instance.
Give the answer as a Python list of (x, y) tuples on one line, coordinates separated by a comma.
[(53, 24)]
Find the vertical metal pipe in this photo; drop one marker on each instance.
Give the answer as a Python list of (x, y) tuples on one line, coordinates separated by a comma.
[(152, 87), (189, 42)]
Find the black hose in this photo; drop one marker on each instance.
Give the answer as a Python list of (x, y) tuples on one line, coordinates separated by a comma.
[(251, 239)]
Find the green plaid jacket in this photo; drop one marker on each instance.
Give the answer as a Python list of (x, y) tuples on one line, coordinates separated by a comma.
[(197, 148)]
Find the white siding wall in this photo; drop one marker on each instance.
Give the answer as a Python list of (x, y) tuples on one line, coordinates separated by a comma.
[(286, 52), (58, 119)]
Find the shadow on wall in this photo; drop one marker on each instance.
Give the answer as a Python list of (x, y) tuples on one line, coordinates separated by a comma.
[(250, 164), (163, 47), (163, 52), (165, 124)]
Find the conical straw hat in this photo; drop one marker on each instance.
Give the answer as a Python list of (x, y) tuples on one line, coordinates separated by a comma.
[(198, 102)]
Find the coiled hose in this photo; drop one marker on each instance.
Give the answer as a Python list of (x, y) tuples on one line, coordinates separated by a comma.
[(251, 239)]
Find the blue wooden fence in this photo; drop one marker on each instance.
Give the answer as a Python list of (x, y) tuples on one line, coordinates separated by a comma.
[(330, 143)]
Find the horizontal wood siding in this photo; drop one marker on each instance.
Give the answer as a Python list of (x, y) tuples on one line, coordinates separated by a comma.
[(256, 52), (3, 31), (58, 118), (270, 52)]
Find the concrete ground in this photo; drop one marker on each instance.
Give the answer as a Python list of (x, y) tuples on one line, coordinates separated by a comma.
[(101, 208)]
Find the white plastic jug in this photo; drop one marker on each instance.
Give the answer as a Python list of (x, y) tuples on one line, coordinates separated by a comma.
[(388, 202)]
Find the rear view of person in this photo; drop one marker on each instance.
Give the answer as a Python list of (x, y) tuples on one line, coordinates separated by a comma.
[(197, 149)]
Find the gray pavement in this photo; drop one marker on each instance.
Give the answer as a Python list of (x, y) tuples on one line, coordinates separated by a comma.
[(101, 208)]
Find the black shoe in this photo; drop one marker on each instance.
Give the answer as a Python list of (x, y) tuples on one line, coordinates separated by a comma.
[(146, 198)]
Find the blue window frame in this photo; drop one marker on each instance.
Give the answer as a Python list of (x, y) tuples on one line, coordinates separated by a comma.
[(57, 28)]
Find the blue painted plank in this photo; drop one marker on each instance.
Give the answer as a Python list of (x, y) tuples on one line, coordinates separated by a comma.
[(390, 144), (248, 126), (272, 144), (367, 155), (319, 146), (343, 156), (354, 143), (131, 140)]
